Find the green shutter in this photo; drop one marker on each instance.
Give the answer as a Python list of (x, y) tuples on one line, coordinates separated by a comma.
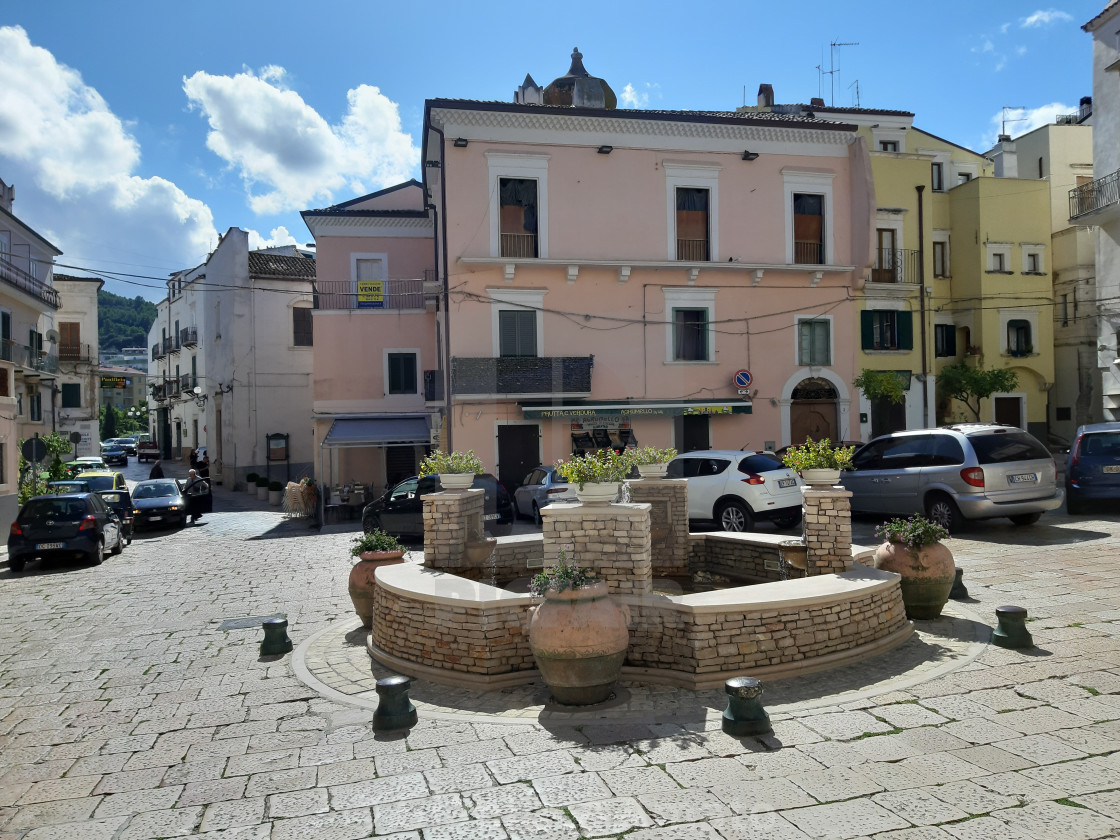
[(905, 330), (806, 347), (867, 329)]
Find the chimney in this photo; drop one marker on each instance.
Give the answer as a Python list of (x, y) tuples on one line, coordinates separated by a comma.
[(765, 96), (816, 102), (1006, 161)]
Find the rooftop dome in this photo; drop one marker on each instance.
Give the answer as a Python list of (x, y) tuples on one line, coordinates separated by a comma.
[(580, 88)]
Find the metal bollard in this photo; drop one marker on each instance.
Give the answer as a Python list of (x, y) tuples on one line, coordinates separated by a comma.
[(1011, 630), (394, 709), (744, 714), (958, 592), (276, 639)]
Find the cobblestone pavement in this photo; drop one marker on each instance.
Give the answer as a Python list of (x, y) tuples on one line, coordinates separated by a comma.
[(127, 712)]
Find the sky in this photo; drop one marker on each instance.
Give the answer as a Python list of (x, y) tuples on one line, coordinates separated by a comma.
[(136, 133)]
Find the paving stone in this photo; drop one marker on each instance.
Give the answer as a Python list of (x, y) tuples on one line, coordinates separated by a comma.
[(924, 832), (438, 809), (766, 826), (608, 757), (528, 767), (443, 735), (1076, 777), (409, 762), (545, 824), (971, 797), (203, 793), (1107, 803), (569, 788), (325, 754), (892, 776), (103, 829), (505, 799), (985, 828), (131, 780), (262, 762), (342, 772), (906, 715), (194, 771), (698, 831), (785, 762), (133, 802), (474, 830), (676, 806), (981, 730), (639, 780), (670, 750), (1089, 739), (175, 822), (279, 781), (77, 787), (245, 832), (844, 820), (836, 783), (1052, 819), (1040, 720), (1041, 749), (298, 803), (240, 812), (993, 759), (756, 796), (792, 733), (844, 726), (42, 771), (609, 817), (919, 807), (337, 825), (1021, 787), (377, 791), (474, 753), (707, 772), (939, 768), (49, 813)]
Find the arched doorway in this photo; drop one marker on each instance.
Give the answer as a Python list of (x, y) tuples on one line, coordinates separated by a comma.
[(813, 411)]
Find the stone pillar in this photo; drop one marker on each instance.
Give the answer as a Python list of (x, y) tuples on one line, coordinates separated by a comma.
[(668, 501), (451, 520), (613, 540), (828, 529)]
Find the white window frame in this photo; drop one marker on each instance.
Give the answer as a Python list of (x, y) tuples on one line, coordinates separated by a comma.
[(689, 298), (972, 170), (990, 251), (797, 338), (415, 351), (531, 299), (819, 183), (531, 166), (694, 176), (888, 135), (354, 257), (1038, 250), (1008, 315), (941, 236)]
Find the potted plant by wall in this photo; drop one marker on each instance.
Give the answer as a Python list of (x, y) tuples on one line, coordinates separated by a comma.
[(456, 470), (596, 475), (914, 550), (819, 462), (262, 488), (251, 482), (275, 492), (578, 634), (651, 461), (372, 550)]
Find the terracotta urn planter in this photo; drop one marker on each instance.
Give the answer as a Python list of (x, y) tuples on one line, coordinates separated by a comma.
[(597, 492), (579, 638), (927, 576), (361, 582)]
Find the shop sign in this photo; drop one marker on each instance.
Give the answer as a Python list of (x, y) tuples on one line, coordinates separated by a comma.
[(115, 382), (581, 413)]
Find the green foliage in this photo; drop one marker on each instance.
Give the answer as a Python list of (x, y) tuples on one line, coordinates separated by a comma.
[(914, 533), (51, 468), (275, 486), (450, 462), (880, 385), (110, 419), (376, 540), (123, 322), (645, 455), (563, 575), (970, 385), (818, 455), (251, 478), (262, 481), (602, 467)]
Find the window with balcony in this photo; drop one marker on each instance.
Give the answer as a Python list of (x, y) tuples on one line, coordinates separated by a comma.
[(808, 229), (302, 335), (940, 259), (814, 341), (517, 332), (518, 217), (1019, 338), (6, 342), (70, 341), (886, 329), (693, 224), (35, 345), (690, 335), (944, 340), (35, 407), (400, 372), (937, 176), (886, 257), (71, 395)]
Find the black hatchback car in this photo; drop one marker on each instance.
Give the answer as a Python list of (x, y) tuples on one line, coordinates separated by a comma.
[(71, 524), (401, 510)]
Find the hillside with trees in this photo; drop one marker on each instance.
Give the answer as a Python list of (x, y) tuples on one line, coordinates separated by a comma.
[(123, 322)]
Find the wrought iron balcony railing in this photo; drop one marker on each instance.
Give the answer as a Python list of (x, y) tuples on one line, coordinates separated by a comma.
[(19, 278), (76, 353), (32, 358), (371, 296), (157, 351), (1090, 199), (518, 245), (186, 383), (188, 336), (521, 375), (808, 253), (895, 265), (692, 250)]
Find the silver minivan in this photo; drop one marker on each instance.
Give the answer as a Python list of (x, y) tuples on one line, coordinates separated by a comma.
[(955, 473)]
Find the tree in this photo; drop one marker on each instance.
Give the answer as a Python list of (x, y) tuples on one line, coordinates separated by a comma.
[(880, 385), (970, 385), (109, 422)]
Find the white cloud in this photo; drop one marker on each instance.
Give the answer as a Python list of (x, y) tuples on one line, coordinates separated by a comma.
[(632, 97), (275, 140), (75, 159), (1020, 50), (1023, 120), (277, 236), (1045, 17)]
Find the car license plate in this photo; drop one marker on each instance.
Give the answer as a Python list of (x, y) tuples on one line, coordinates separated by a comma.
[(155, 518), (1112, 468), (491, 516), (787, 482), (1023, 478), (48, 546)]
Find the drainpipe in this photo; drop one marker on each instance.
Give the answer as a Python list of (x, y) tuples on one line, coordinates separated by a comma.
[(922, 303), (446, 290)]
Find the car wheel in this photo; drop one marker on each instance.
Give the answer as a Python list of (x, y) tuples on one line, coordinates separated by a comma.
[(16, 564), (735, 516), (97, 556), (538, 520), (1074, 505), (944, 511), (370, 523), (1025, 518), (789, 520)]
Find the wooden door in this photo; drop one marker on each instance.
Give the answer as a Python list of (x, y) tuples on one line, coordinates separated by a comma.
[(815, 419), (1009, 410)]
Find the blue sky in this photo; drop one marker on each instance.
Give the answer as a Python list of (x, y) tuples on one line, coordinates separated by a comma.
[(136, 132)]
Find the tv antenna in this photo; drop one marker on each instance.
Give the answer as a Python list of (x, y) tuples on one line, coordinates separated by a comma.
[(1006, 108), (833, 54), (855, 85)]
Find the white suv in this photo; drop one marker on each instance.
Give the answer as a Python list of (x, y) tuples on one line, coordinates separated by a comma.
[(737, 488)]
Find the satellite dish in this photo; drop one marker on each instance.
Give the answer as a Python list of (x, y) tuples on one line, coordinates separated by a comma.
[(52, 336), (197, 391)]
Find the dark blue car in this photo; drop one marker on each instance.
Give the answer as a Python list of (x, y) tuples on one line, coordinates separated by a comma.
[(74, 524), (1093, 466)]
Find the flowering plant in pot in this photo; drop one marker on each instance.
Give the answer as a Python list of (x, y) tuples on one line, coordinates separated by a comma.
[(651, 461), (373, 550), (578, 634), (913, 549), (456, 470), (376, 541), (819, 462), (597, 475)]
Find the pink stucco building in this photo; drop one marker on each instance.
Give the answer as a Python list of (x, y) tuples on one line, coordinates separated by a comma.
[(607, 273)]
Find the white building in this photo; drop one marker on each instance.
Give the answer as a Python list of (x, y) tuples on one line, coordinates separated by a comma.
[(78, 387), (1098, 202), (231, 362)]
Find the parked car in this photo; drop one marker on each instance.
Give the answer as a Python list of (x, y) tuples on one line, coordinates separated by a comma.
[(73, 524), (125, 443), (737, 489), (954, 474), (401, 510), (120, 502), (147, 450), (1093, 466), (57, 488), (129, 443), (102, 480), (86, 463), (158, 501), (541, 487), (114, 455)]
